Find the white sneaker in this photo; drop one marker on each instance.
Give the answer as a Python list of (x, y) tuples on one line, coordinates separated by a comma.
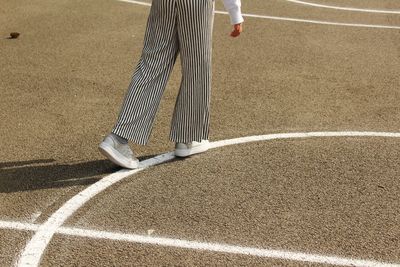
[(185, 150), (120, 154)]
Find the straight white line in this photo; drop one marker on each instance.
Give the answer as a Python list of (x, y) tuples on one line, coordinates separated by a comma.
[(18, 226), (33, 251), (346, 8), (224, 248), (205, 246), (290, 19), (35, 248)]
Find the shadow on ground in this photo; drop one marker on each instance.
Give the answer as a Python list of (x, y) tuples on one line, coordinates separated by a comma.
[(46, 173)]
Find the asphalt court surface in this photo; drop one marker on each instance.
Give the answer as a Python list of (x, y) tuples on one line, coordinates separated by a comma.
[(294, 10), (380, 5), (144, 255), (12, 242), (322, 195), (62, 83)]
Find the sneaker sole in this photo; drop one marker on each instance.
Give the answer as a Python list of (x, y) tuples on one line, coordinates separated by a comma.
[(182, 153), (116, 157)]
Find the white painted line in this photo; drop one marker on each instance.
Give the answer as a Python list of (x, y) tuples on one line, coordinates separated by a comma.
[(324, 22), (18, 226), (256, 138), (205, 246), (224, 248), (35, 248), (346, 8), (33, 251), (290, 19)]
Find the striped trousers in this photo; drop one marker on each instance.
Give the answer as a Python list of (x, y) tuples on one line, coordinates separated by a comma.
[(174, 27)]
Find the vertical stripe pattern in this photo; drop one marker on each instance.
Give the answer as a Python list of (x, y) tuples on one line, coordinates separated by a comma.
[(174, 27)]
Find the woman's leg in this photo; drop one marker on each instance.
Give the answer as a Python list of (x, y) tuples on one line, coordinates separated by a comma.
[(151, 75), (190, 121)]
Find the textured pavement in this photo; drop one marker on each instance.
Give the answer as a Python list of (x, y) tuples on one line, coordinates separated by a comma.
[(63, 80)]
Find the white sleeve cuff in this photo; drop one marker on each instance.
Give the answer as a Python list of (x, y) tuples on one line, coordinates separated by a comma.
[(236, 15)]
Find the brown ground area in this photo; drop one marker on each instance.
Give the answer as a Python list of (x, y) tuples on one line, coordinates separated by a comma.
[(365, 4), (12, 242), (328, 197), (62, 82), (110, 253)]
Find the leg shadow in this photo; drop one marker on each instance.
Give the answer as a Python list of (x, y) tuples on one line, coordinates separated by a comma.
[(46, 173)]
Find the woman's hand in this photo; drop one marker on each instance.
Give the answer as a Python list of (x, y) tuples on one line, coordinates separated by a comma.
[(237, 29)]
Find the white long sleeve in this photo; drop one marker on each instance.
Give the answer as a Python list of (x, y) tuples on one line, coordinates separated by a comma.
[(234, 9)]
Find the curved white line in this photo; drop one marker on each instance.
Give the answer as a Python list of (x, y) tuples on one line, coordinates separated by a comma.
[(290, 19), (346, 8), (195, 245), (32, 253)]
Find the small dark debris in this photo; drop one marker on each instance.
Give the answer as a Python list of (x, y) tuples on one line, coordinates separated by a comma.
[(14, 35)]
